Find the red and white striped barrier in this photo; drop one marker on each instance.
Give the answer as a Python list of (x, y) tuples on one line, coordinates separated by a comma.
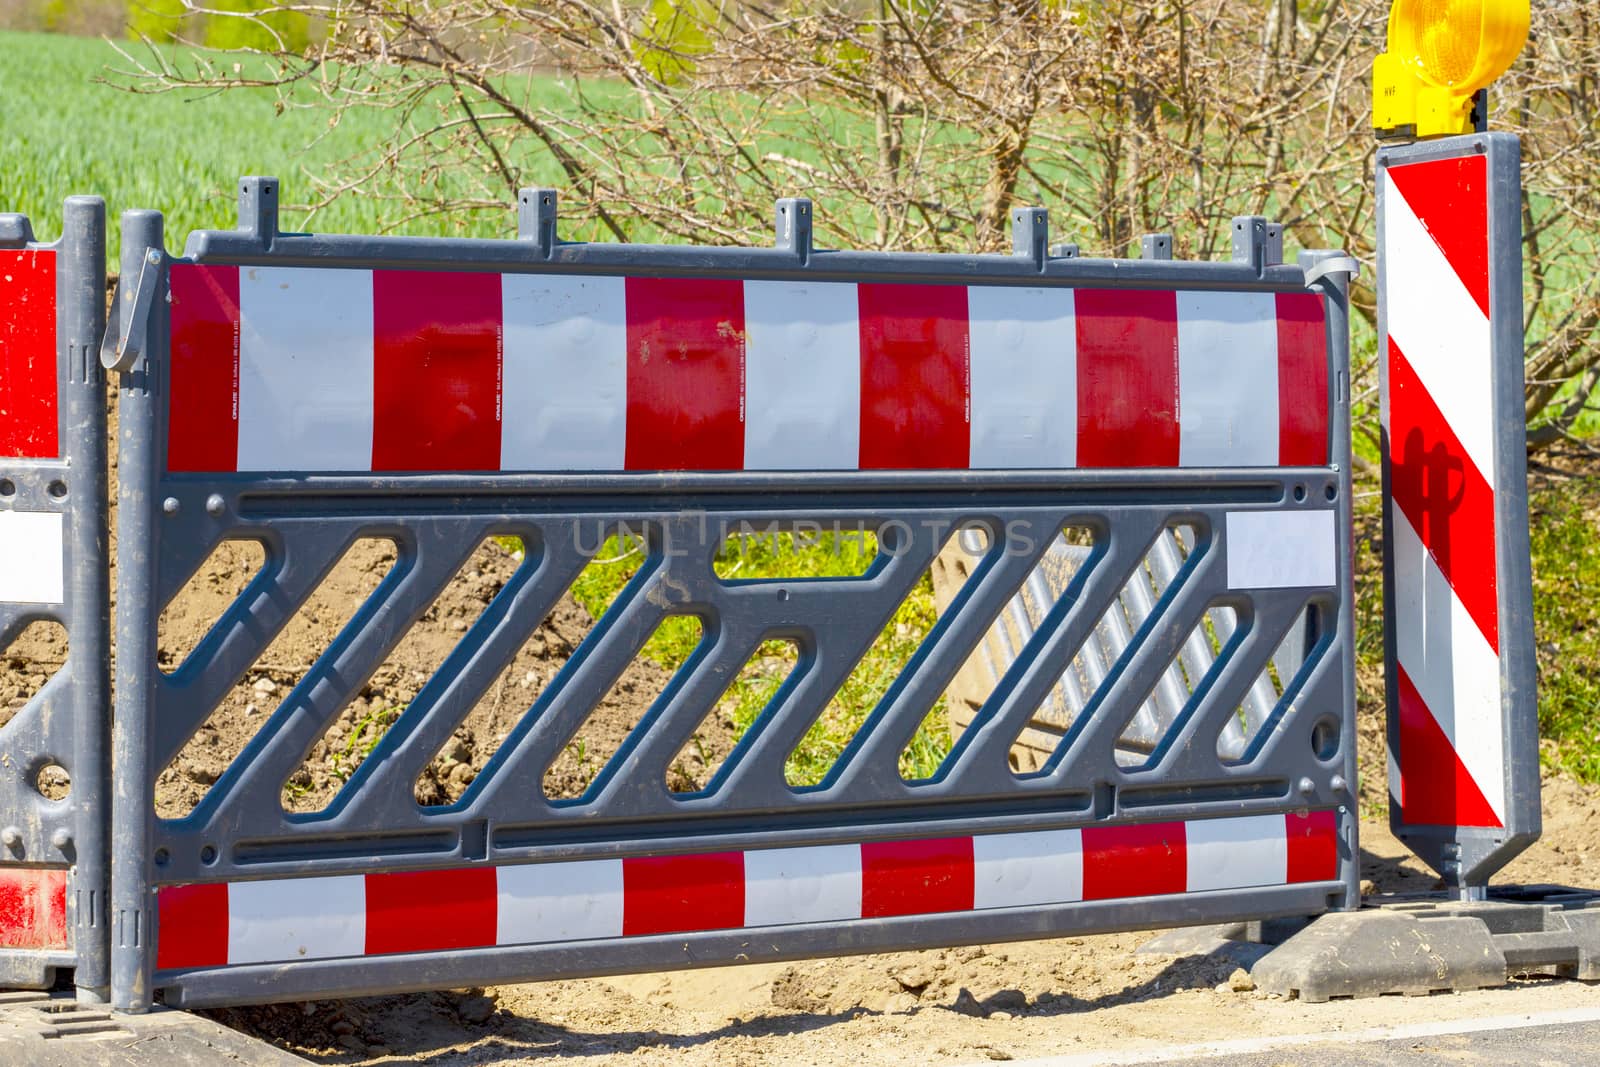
[(33, 908), (1450, 769), (324, 370), (31, 570), (219, 924), (33, 901)]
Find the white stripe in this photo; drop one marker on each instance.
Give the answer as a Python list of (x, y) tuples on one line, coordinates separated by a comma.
[(574, 901), (566, 373), (1282, 549), (1439, 327), (802, 376), (1236, 853), (305, 369), (32, 557), (1227, 379), (802, 885), (297, 919), (1027, 869), (1346, 1041), (1447, 658), (1024, 377), (1393, 766)]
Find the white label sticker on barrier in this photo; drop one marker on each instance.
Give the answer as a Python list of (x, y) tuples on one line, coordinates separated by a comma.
[(31, 560)]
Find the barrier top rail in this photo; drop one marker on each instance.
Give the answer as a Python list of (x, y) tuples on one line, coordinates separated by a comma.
[(764, 359)]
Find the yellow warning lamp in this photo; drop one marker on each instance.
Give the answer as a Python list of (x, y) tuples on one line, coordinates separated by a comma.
[(1440, 53)]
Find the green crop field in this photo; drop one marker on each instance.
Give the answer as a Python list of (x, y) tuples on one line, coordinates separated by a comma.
[(65, 127), (69, 123)]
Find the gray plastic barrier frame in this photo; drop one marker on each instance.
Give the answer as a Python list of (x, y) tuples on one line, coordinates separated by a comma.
[(67, 723), (1303, 762)]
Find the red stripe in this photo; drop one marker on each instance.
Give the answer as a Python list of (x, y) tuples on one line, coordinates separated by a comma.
[(1302, 380), (191, 926), (436, 351), (1436, 789), (685, 374), (203, 402), (1134, 861), (430, 911), (28, 424), (33, 908), (916, 877), (674, 894), (1451, 198), (915, 376), (1313, 846), (1447, 501), (1127, 378)]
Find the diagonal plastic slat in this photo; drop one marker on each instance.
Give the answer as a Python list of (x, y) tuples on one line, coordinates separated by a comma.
[(980, 756), (250, 788), (385, 780), (870, 766), (238, 638)]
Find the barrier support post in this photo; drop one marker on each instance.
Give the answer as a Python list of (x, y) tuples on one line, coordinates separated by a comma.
[(53, 846), (80, 299), (1334, 271), (137, 409)]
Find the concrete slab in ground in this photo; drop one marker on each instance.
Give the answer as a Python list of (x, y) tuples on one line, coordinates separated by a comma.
[(45, 1030)]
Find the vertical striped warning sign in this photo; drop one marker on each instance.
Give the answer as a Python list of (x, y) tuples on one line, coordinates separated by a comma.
[(1462, 714)]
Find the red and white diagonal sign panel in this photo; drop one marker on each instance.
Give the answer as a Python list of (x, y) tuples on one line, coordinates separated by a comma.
[(1450, 769)]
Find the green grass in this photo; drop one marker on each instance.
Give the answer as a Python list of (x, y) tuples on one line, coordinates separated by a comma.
[(1566, 581), (66, 126), (63, 130)]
